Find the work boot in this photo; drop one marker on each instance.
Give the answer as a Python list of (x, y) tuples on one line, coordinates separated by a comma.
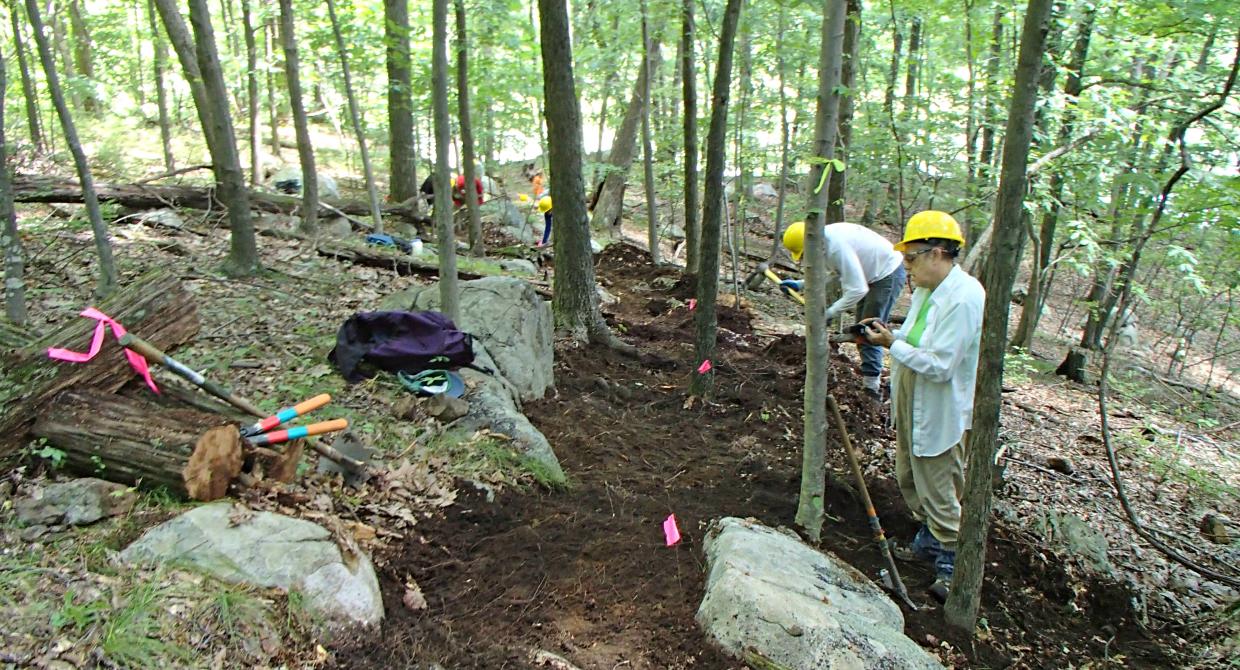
[(872, 387), (924, 547), (944, 570)]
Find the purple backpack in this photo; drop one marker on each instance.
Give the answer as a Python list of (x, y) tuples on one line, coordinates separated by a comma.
[(409, 342)]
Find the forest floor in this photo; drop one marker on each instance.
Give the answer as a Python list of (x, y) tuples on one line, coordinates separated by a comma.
[(582, 572)]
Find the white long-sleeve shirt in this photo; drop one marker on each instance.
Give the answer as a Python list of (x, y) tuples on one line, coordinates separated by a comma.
[(860, 257), (945, 361)]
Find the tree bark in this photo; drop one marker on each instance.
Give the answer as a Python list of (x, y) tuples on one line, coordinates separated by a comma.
[(103, 245), (10, 241), (301, 126), (610, 205), (693, 229), (251, 94), (160, 68), (155, 306), (811, 505), (990, 112), (445, 235), (83, 60), (706, 320), (273, 104), (29, 91), (965, 597), (401, 154), (848, 79), (652, 212), (355, 117), (476, 245)]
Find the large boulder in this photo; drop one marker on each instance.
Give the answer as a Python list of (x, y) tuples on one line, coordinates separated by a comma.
[(76, 502), (513, 220), (268, 550), (769, 594), (510, 319)]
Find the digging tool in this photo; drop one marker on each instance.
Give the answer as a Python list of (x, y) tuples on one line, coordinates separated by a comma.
[(764, 271), (880, 537), (149, 351)]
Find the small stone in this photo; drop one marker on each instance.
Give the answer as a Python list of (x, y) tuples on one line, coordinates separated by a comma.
[(406, 409), (1060, 464), (1214, 527), (77, 502), (446, 408)]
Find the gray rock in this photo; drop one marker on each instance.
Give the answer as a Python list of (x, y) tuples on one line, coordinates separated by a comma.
[(765, 190), (268, 550), (514, 221), (337, 227), (446, 408), (288, 180), (1072, 534), (768, 593), (519, 266), (511, 319), (77, 502)]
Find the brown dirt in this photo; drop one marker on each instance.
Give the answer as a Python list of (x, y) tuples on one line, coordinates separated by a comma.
[(584, 573)]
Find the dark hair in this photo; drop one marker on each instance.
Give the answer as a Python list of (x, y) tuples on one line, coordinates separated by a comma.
[(950, 247)]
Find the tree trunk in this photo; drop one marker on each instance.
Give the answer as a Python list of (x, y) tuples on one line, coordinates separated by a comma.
[(848, 79), (355, 118), (445, 237), (1039, 284), (273, 104), (301, 126), (83, 61), (251, 97), (124, 440), (965, 598), (160, 66), (103, 246), (401, 155), (652, 214), (155, 306), (610, 205), (895, 183), (476, 245), (10, 241), (990, 112), (911, 72), (811, 503), (693, 229), (29, 92), (781, 68), (706, 321)]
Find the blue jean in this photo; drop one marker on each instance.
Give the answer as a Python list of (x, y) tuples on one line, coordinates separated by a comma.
[(547, 228), (878, 303)]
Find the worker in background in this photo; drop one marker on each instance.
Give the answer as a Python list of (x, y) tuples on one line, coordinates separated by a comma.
[(934, 366), (871, 276), (458, 190), (544, 208)]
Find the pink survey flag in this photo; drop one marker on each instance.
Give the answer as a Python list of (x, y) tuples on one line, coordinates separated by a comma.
[(137, 362), (692, 304), (704, 367), (670, 531)]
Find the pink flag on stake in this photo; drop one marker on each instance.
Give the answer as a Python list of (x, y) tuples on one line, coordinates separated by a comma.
[(670, 530), (137, 362), (692, 304), (704, 367)]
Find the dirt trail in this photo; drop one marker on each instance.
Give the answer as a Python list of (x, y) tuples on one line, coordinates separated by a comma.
[(584, 573)]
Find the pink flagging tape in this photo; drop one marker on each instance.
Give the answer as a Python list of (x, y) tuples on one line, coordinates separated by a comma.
[(692, 304), (704, 367), (137, 362), (670, 531)]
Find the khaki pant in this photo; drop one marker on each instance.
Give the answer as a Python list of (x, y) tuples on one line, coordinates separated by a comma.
[(932, 487)]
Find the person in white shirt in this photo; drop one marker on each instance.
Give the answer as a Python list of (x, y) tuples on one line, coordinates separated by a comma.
[(871, 276), (934, 366)]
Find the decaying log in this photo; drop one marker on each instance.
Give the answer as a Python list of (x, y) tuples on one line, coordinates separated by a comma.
[(155, 306), (28, 188), (379, 257)]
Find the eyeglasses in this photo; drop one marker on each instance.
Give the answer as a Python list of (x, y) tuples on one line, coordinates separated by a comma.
[(909, 258)]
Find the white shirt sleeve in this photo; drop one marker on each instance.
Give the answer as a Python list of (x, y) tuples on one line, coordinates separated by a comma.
[(842, 259), (954, 330)]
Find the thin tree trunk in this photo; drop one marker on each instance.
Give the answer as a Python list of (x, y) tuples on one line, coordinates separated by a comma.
[(811, 504), (895, 185), (965, 597), (103, 246), (273, 104), (301, 126), (10, 241), (138, 73), (990, 112), (251, 97), (83, 61), (160, 67), (476, 245), (449, 294), (693, 230), (848, 79), (911, 72), (970, 126), (355, 117), (401, 155), (610, 205), (30, 91), (706, 321), (652, 214), (782, 191)]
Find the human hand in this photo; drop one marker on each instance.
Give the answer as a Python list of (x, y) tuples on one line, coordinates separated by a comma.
[(876, 332), (788, 285)]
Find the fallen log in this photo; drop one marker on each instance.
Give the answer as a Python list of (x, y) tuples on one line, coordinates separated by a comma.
[(155, 305), (28, 188), (379, 257)]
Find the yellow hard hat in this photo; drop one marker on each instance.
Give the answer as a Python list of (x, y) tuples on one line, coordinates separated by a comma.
[(794, 240), (544, 204), (930, 224)]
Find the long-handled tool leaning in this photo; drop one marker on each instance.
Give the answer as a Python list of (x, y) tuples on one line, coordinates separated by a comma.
[(150, 352), (896, 585), (754, 279)]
